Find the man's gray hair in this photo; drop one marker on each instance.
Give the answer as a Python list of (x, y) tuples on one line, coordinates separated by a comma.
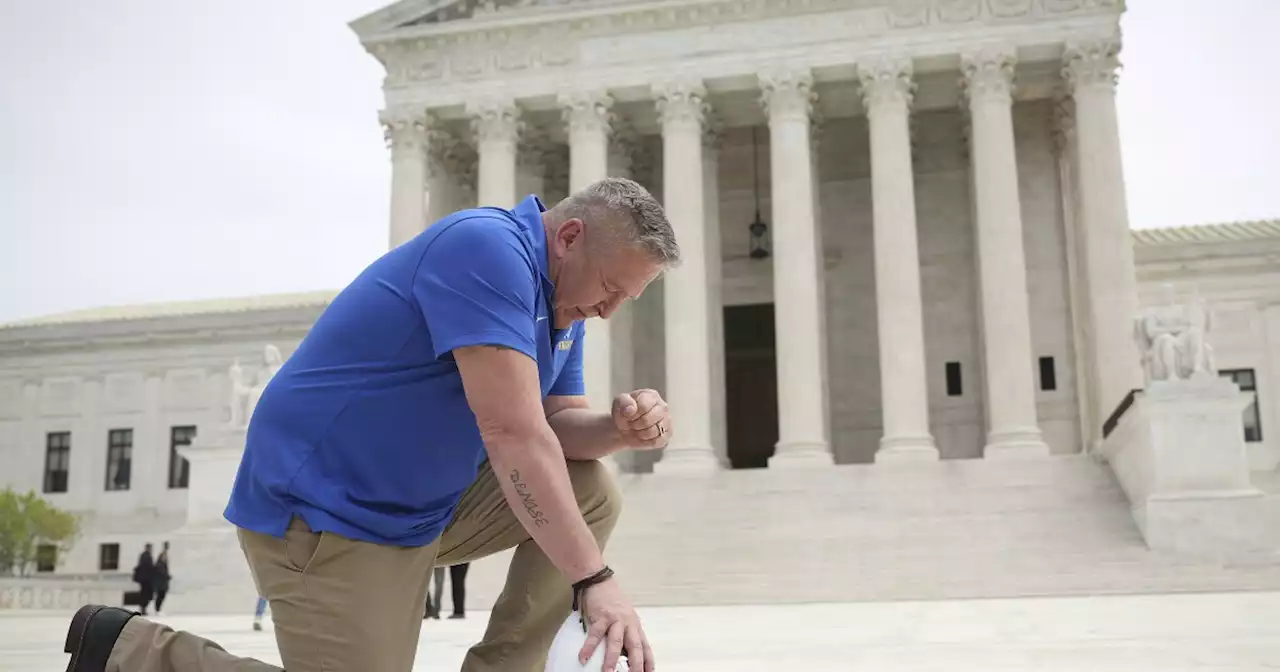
[(632, 214)]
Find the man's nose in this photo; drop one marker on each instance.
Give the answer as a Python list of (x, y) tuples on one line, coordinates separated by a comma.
[(606, 309)]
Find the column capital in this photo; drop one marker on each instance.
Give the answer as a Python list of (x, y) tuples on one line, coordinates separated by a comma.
[(787, 93), (495, 119), (586, 111), (713, 129), (405, 131), (817, 126), (1091, 63), (886, 81), (556, 164), (442, 146), (1063, 122), (452, 158), (681, 100), (533, 145), (623, 143), (988, 73)]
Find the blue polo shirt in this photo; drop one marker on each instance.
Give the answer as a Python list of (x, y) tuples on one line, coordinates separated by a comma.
[(365, 431)]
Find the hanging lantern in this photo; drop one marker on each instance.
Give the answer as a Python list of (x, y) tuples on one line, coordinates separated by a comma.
[(759, 238), (757, 228)]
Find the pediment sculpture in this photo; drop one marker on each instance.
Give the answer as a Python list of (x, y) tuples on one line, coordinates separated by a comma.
[(245, 395), (1172, 338)]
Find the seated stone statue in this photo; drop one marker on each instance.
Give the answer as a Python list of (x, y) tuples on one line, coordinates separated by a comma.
[(244, 396), (1172, 339)]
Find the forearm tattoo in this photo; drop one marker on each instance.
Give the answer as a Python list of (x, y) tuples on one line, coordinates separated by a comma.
[(530, 506)]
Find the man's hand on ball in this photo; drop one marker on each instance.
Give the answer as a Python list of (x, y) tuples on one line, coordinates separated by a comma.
[(642, 419)]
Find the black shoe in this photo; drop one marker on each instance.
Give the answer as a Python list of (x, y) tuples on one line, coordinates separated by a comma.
[(93, 632), (455, 616)]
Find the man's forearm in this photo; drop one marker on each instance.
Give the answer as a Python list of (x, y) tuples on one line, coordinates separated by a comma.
[(586, 434), (535, 481)]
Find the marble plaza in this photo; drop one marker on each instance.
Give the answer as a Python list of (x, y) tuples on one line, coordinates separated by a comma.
[(1201, 633)]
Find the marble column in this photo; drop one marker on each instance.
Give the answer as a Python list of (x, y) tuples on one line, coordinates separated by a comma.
[(532, 151), (711, 140), (587, 116), (1268, 385), (1011, 394), (1090, 73), (682, 109), (788, 98), (1064, 148), (622, 325), (887, 91), (444, 193), (406, 137), (496, 124)]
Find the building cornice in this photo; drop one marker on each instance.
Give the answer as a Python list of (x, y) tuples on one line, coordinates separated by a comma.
[(178, 329), (630, 44), (1199, 234)]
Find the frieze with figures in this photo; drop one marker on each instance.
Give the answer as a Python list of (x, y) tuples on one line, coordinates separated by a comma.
[(549, 35)]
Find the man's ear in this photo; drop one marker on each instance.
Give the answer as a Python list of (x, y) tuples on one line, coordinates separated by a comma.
[(569, 234)]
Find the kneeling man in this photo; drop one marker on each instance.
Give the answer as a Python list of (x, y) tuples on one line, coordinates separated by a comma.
[(435, 415)]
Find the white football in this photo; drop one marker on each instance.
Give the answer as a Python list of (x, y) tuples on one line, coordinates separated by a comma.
[(563, 656)]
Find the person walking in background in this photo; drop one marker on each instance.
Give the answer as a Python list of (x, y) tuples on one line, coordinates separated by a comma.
[(458, 579), (434, 597), (258, 612), (144, 575), (160, 578)]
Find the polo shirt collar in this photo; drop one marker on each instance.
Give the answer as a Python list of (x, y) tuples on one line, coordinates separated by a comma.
[(529, 213)]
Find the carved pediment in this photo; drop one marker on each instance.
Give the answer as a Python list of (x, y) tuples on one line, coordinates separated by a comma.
[(409, 13)]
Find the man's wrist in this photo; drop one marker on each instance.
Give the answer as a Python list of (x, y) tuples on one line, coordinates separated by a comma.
[(580, 587), (619, 441), (581, 576)]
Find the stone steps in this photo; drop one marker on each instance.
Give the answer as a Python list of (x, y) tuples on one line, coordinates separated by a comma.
[(952, 529)]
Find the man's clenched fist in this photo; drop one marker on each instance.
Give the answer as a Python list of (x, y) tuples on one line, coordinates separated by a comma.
[(642, 418)]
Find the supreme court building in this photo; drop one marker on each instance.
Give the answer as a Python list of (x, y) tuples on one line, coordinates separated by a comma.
[(944, 267)]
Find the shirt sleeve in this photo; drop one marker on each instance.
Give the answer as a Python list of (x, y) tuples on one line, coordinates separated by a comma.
[(476, 285), (570, 383)]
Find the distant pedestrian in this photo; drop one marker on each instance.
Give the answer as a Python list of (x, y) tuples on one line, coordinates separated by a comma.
[(144, 574), (434, 597), (258, 612), (458, 579), (160, 579)]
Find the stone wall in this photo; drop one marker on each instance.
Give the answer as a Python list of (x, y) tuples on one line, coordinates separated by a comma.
[(62, 592), (148, 387)]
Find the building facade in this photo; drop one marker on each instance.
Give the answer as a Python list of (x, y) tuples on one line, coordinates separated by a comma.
[(946, 269), (948, 262)]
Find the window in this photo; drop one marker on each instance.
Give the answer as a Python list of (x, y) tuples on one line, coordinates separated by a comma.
[(108, 557), (954, 388), (57, 461), (1245, 379), (179, 467), (46, 557), (119, 458), (1048, 375)]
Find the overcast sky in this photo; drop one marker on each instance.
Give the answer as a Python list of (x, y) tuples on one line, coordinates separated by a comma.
[(155, 150)]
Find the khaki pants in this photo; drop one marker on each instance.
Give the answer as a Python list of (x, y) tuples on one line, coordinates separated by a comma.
[(343, 605)]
